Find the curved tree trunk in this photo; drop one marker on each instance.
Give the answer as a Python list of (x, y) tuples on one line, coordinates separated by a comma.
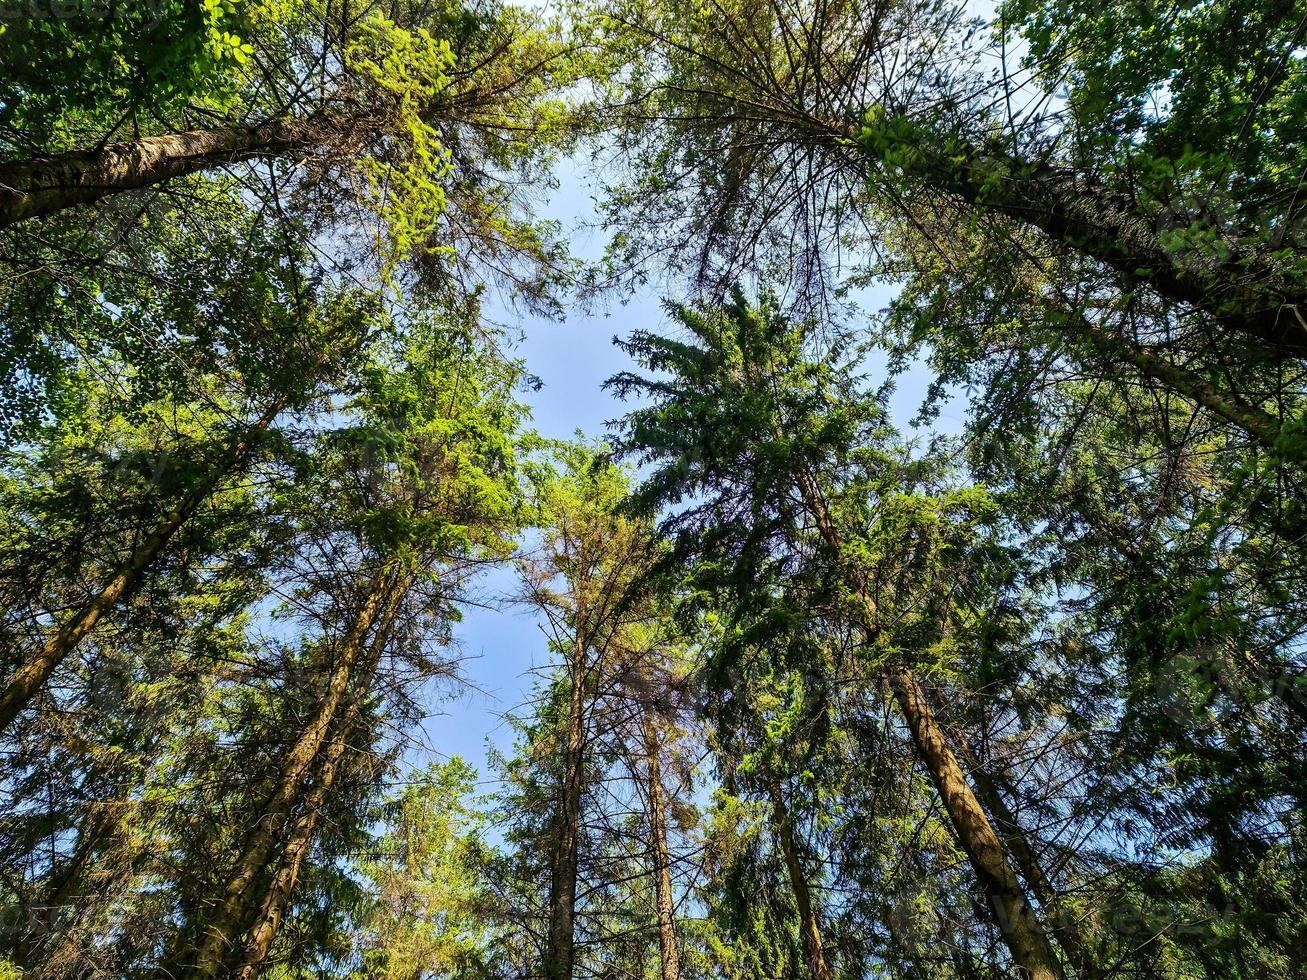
[(380, 601), (45, 185), (32, 676)]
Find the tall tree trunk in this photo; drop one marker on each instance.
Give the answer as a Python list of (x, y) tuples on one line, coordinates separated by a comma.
[(1239, 287), (1066, 930), (668, 952), (300, 844), (101, 822), (809, 924), (560, 951), (1016, 919), (101, 868), (1025, 938), (276, 898), (32, 676), (45, 185), (384, 591)]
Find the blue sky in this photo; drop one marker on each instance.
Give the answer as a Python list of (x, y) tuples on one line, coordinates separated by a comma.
[(573, 357)]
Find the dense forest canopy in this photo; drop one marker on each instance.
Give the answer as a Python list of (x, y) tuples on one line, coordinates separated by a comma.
[(825, 696)]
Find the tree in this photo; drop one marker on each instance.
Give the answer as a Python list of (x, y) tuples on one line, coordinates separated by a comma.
[(1064, 264), (794, 141), (378, 149), (418, 93), (815, 701), (746, 412), (71, 68), (427, 908), (591, 811), (590, 562), (428, 489), (303, 353)]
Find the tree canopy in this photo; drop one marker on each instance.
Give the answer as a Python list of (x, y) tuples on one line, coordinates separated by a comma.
[(820, 689)]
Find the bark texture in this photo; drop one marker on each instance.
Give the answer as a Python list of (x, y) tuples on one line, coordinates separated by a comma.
[(45, 185), (1238, 284), (1066, 930), (380, 601), (1016, 920), (809, 922), (303, 835), (1025, 938), (560, 952)]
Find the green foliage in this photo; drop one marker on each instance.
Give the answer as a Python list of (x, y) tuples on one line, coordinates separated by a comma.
[(426, 875), (277, 353), (755, 426), (1203, 86), (412, 67), (215, 294), (70, 66)]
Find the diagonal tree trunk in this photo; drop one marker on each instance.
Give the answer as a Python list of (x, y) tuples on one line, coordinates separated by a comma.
[(664, 900), (300, 844), (32, 675), (1016, 919), (1260, 426), (381, 600), (1066, 929), (276, 898), (45, 185), (1239, 287), (1012, 911)]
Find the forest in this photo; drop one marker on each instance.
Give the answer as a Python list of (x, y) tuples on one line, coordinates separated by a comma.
[(1009, 684)]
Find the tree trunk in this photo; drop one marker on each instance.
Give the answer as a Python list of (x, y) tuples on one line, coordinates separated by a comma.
[(668, 952), (1065, 930), (809, 925), (302, 838), (46, 185), (1239, 287), (277, 897), (560, 952), (380, 602), (1015, 918), (1021, 930), (66, 880), (1262, 427), (32, 676)]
